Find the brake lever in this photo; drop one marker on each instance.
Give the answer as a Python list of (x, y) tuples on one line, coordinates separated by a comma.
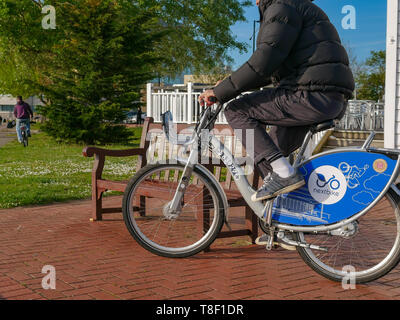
[(212, 115)]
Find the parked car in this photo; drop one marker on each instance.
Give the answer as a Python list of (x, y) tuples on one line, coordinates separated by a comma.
[(131, 117)]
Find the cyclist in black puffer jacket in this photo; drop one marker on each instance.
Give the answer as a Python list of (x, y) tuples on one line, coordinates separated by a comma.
[(299, 51)]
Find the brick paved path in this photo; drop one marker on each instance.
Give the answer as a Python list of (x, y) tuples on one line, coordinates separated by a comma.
[(101, 261)]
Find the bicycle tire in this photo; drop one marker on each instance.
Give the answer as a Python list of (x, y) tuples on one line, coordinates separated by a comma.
[(360, 277), (24, 139), (150, 245)]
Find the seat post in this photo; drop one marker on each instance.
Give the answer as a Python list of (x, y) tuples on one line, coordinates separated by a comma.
[(300, 155)]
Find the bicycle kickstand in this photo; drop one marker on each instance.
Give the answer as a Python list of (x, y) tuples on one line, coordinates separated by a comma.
[(268, 221)]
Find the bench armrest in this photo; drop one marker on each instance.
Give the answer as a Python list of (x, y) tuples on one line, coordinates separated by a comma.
[(91, 151)]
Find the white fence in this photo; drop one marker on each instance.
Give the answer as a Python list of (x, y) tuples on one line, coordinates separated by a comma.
[(182, 102)]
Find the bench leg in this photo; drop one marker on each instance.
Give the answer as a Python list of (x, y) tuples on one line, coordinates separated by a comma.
[(206, 214), (252, 224), (141, 204), (97, 205), (203, 215), (206, 223)]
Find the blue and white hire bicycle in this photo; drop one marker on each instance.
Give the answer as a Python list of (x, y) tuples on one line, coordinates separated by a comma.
[(347, 214)]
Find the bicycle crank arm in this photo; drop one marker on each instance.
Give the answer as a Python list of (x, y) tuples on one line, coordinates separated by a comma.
[(281, 236)]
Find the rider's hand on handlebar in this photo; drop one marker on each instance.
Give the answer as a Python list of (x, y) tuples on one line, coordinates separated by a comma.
[(209, 97)]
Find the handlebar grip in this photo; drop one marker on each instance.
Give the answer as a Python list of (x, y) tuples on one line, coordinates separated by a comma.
[(213, 99)]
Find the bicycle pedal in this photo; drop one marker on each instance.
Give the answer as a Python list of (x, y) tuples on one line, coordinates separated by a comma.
[(276, 245)]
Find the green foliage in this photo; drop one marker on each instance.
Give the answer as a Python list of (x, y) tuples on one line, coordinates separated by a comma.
[(100, 63), (19, 49), (89, 70), (200, 33), (370, 80)]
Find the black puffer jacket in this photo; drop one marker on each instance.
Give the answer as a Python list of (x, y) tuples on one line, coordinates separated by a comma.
[(297, 48)]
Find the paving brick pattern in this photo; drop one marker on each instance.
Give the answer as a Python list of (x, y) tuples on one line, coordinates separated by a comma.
[(101, 260)]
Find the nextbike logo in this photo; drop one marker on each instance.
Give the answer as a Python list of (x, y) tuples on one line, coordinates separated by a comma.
[(327, 185)]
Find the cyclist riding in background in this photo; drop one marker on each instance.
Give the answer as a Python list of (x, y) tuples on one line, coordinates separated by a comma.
[(299, 51), (23, 113)]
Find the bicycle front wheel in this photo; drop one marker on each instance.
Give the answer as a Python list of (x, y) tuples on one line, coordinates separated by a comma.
[(147, 216), (24, 139), (364, 251)]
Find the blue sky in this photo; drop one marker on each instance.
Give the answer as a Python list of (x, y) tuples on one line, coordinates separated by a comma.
[(370, 32)]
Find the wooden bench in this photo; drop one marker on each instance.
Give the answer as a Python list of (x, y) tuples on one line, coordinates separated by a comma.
[(151, 136)]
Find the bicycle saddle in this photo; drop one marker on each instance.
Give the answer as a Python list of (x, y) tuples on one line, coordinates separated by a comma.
[(322, 126)]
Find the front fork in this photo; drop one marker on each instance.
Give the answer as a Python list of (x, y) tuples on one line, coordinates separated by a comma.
[(175, 206)]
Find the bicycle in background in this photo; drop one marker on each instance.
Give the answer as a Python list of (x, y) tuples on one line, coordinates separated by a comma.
[(24, 132)]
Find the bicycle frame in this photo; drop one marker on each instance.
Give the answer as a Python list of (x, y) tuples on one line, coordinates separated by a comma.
[(260, 209)]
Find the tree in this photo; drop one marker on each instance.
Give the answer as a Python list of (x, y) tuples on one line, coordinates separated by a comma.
[(22, 47), (370, 81), (200, 34), (199, 37), (89, 69), (356, 66), (99, 68), (92, 67)]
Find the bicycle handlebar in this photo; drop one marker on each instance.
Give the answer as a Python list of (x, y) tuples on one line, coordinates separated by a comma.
[(206, 121), (213, 99)]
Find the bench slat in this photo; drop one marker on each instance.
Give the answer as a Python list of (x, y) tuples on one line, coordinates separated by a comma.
[(112, 185), (91, 151)]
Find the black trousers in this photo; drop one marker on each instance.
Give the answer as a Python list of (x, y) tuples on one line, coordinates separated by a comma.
[(289, 113)]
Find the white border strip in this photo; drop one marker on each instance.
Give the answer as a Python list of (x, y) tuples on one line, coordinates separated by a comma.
[(391, 73)]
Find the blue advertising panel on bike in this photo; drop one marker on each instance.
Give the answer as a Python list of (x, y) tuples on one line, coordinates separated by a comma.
[(338, 185)]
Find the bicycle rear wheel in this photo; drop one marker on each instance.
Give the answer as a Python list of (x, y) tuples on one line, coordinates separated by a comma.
[(367, 252), (149, 220)]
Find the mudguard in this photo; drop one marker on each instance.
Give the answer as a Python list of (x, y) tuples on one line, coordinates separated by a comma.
[(338, 186)]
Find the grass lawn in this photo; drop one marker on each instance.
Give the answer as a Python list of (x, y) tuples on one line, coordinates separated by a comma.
[(47, 171)]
